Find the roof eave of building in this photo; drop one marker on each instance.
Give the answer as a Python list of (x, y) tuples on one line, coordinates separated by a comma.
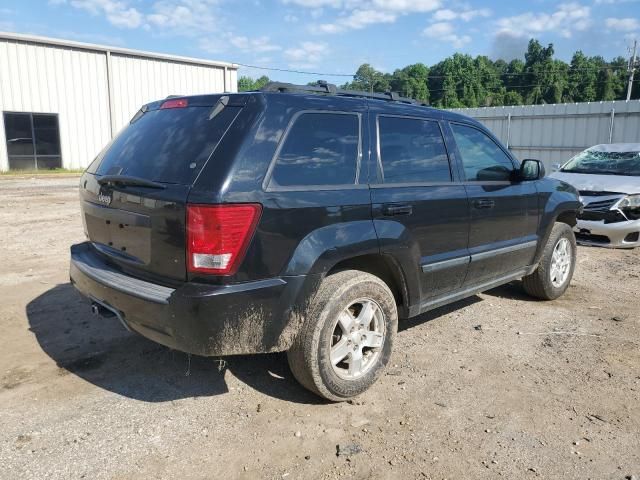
[(35, 39)]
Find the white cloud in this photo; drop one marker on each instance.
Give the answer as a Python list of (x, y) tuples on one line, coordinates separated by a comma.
[(407, 6), (356, 20), (290, 18), (315, 3), (185, 17), (465, 14), (446, 32), (358, 14), (199, 19), (445, 15), (259, 44), (307, 55), (568, 18), (118, 13), (128, 18), (623, 24), (229, 42)]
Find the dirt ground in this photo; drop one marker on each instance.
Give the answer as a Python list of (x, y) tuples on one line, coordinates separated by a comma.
[(495, 386)]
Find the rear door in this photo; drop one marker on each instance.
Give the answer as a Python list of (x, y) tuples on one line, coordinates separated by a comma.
[(142, 227), (419, 206), (503, 210), (315, 197)]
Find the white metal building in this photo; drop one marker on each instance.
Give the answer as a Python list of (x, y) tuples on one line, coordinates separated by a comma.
[(554, 133), (62, 101)]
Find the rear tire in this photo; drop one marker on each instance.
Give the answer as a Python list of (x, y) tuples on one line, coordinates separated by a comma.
[(347, 336), (557, 263)]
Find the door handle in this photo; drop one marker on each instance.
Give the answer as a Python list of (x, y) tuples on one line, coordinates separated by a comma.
[(484, 203), (395, 209)]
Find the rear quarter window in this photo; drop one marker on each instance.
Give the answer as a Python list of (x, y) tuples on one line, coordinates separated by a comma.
[(167, 146), (319, 149)]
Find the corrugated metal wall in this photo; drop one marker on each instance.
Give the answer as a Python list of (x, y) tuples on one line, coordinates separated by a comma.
[(137, 81), (555, 133), (72, 82)]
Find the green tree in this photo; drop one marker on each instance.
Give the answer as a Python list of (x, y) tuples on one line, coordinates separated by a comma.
[(546, 78), (368, 79), (246, 84), (512, 98), (261, 82), (582, 78), (489, 90), (411, 82), (618, 75), (464, 81)]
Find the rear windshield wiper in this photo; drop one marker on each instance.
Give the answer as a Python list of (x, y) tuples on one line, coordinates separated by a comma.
[(127, 180)]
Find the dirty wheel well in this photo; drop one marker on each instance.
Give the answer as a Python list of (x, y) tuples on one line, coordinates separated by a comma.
[(383, 268), (567, 217)]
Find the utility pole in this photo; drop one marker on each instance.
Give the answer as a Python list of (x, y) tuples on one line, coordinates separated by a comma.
[(632, 69)]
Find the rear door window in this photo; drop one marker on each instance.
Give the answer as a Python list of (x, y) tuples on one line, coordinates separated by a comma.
[(168, 146), (412, 151), (319, 149)]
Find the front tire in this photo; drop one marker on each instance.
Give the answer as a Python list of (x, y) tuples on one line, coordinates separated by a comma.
[(347, 336), (557, 263)]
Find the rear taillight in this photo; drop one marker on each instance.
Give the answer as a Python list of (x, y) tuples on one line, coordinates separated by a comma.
[(175, 103), (218, 236)]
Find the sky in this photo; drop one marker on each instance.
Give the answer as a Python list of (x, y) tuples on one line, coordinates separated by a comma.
[(332, 37)]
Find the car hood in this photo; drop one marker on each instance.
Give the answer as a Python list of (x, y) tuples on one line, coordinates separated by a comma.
[(600, 183)]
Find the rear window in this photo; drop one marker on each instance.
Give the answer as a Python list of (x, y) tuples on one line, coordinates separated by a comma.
[(320, 149), (167, 146)]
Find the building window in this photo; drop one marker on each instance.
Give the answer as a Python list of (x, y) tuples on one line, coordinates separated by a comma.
[(33, 140)]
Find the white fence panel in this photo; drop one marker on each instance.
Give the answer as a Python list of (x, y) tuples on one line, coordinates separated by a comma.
[(554, 133)]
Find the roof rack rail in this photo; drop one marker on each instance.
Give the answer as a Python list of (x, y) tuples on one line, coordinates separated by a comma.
[(322, 87)]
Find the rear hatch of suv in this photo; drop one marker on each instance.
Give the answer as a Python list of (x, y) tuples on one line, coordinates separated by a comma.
[(134, 194)]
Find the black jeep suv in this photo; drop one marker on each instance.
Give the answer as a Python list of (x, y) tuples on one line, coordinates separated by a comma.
[(308, 220)]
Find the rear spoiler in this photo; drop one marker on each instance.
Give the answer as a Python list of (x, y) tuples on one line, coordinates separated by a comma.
[(215, 100)]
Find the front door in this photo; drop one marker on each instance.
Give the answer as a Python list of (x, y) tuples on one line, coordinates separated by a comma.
[(503, 210), (420, 208)]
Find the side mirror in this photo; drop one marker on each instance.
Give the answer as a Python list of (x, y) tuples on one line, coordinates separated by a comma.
[(531, 169), (556, 166)]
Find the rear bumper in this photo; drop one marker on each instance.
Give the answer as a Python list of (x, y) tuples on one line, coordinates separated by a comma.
[(613, 235), (202, 319)]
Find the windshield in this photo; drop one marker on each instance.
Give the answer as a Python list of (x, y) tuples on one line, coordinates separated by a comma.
[(604, 163)]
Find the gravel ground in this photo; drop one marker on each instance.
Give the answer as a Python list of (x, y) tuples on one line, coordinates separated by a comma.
[(498, 385)]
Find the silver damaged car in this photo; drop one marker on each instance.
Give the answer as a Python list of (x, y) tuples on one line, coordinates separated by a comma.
[(608, 179)]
